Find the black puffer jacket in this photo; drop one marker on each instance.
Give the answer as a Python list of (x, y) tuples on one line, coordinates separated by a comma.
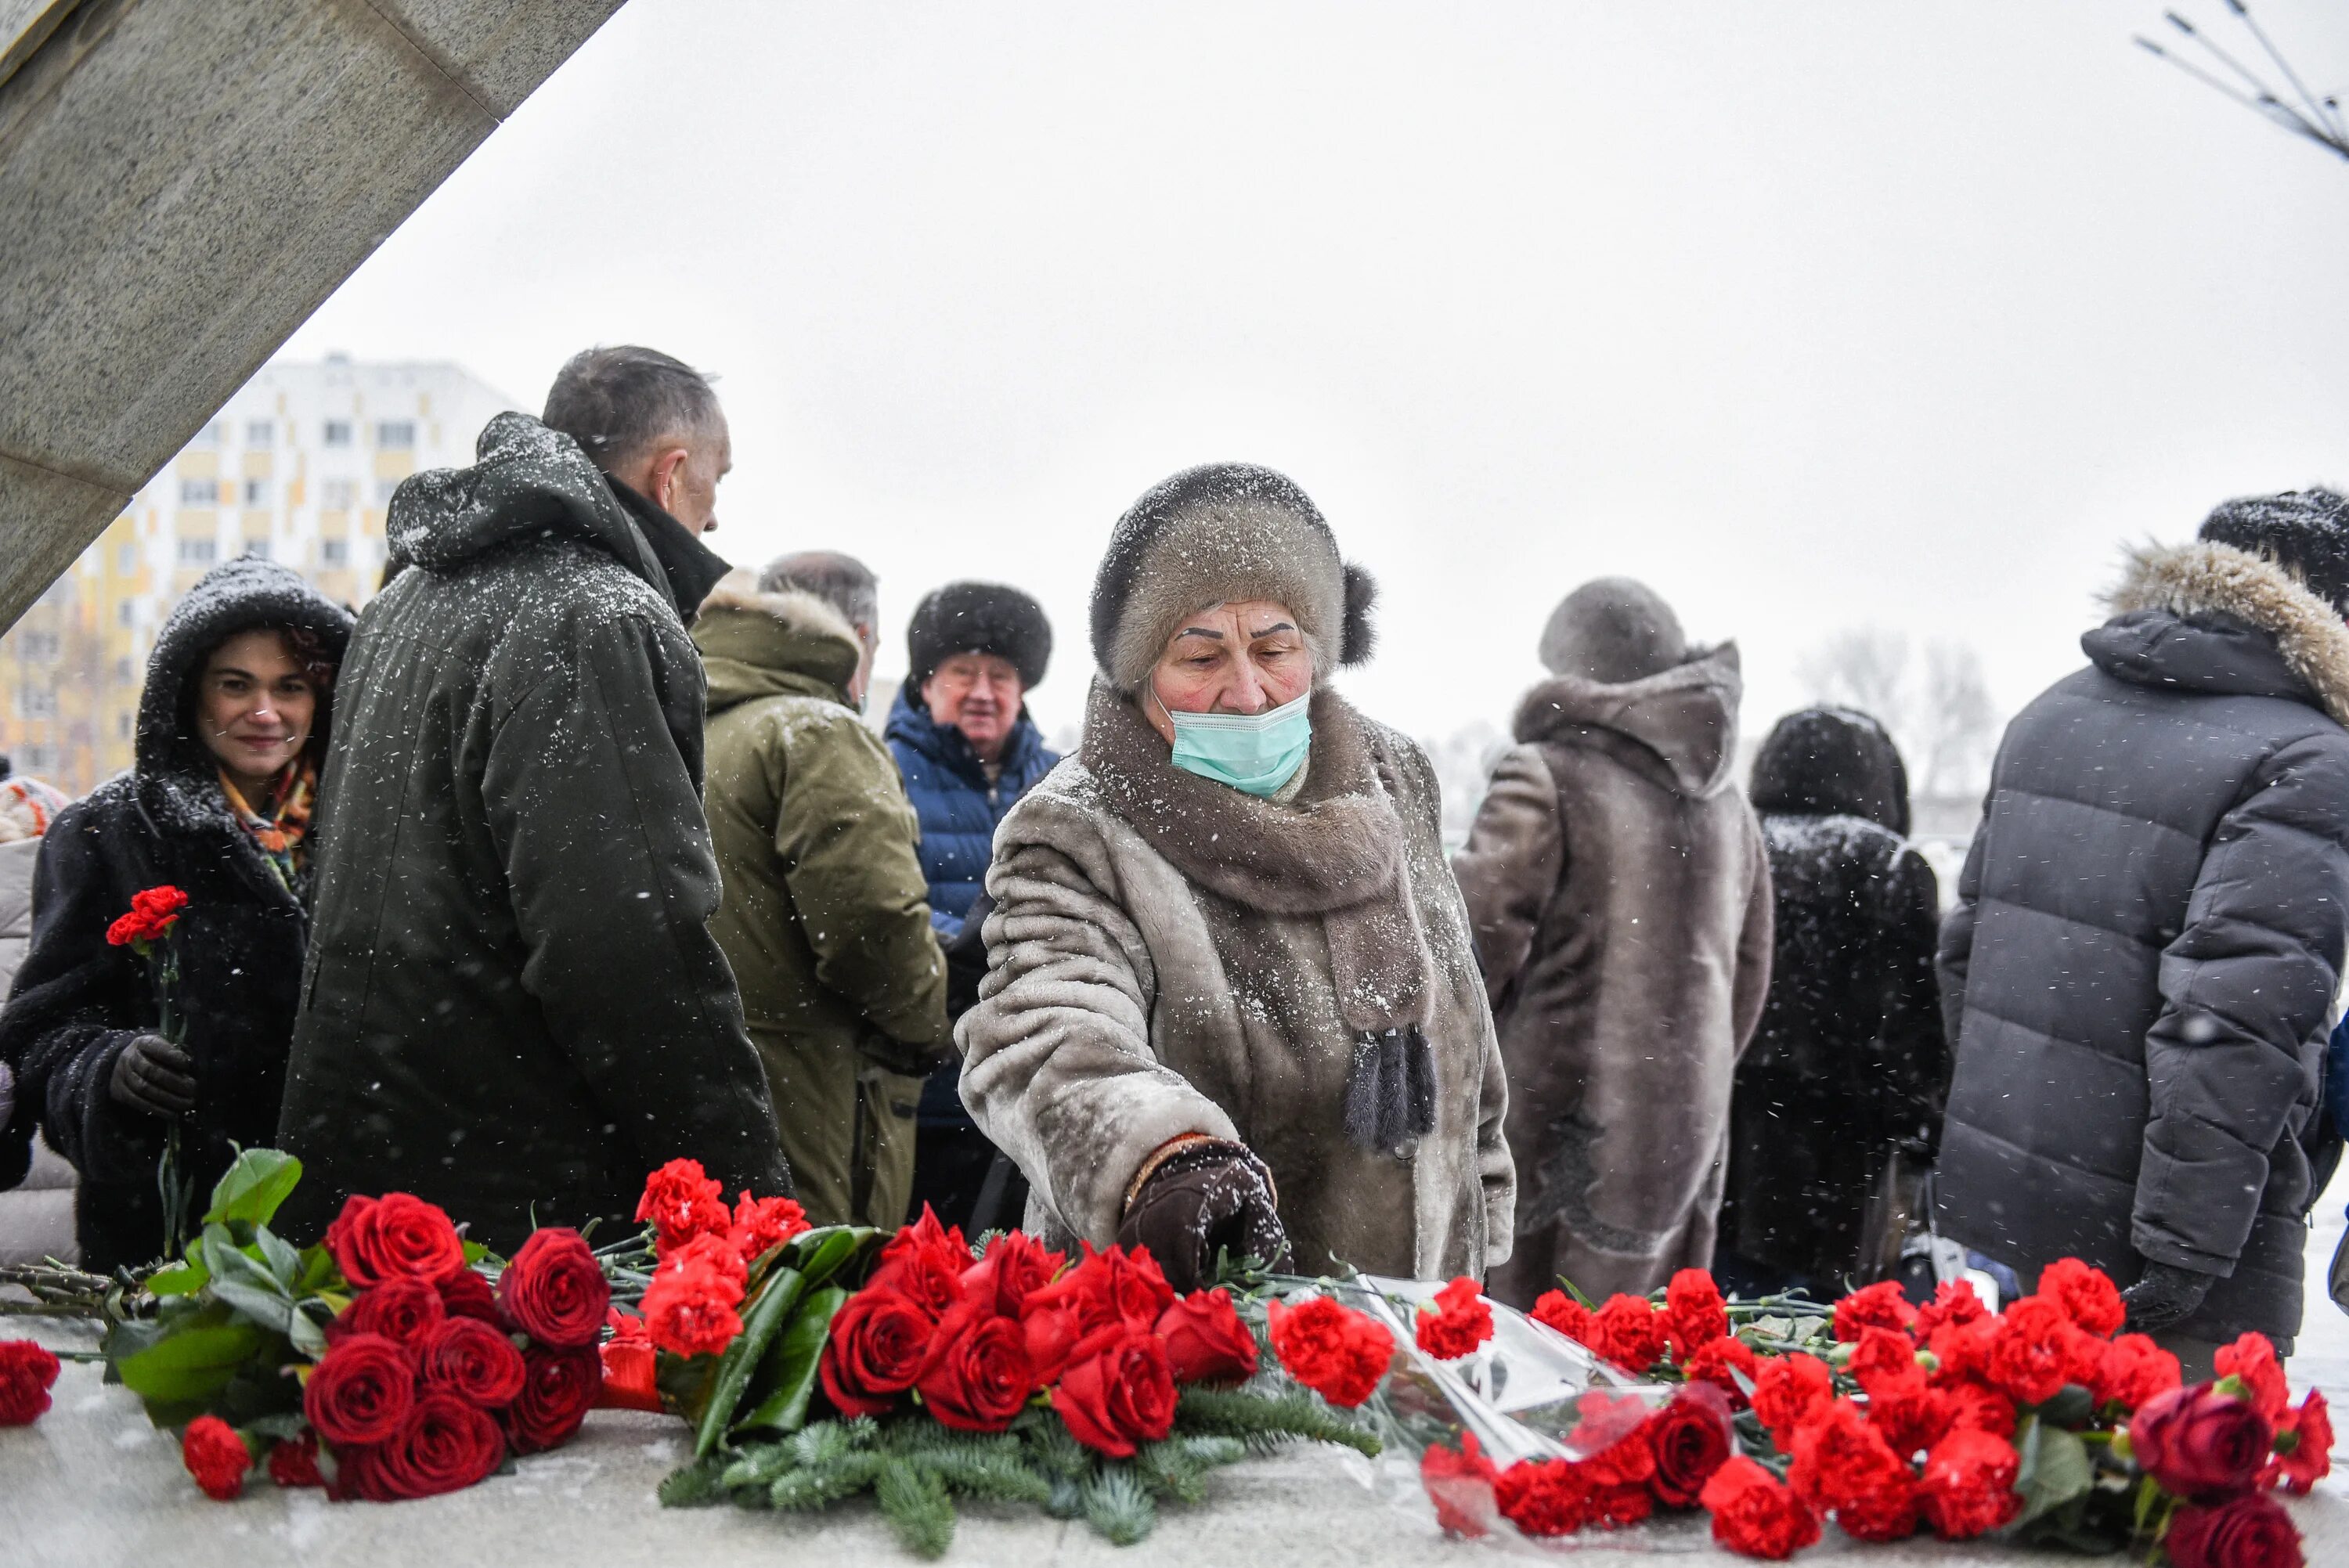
[(77, 1002), (1848, 1062), (2140, 968), (515, 1005)]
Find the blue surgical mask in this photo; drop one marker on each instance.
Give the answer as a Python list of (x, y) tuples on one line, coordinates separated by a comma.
[(1255, 753)]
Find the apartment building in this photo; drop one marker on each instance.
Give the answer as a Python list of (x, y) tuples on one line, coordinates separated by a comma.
[(298, 467)]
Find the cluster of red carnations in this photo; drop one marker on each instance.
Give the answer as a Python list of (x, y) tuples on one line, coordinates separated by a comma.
[(27, 1372), (1928, 1443), (430, 1376), (704, 1251), (153, 911)]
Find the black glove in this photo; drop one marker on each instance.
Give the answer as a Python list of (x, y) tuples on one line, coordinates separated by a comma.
[(2163, 1295), (1206, 1197), (154, 1075)]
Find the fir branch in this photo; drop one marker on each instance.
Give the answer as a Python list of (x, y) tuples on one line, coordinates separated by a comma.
[(1178, 1467), (1117, 1505), (822, 1485), (916, 1504), (699, 1484), (1263, 1422)]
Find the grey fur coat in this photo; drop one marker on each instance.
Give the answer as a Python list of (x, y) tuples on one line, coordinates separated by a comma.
[(1128, 1002), (1619, 889)]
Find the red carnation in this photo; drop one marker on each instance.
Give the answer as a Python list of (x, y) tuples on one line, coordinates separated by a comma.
[(1616, 1507), (1788, 1391), (360, 1391), (2252, 1361), (1457, 1324), (680, 1202), (1840, 1460), (2247, 1532), (1337, 1352), (474, 1361), (630, 1365), (878, 1344), (1878, 1305), (1629, 1332), (152, 912), (2200, 1443), (1611, 1432), (1978, 1408), (978, 1376), (1545, 1497), (554, 1290), (690, 1306), (1015, 1266), (1963, 1349), (405, 1311), (1117, 1390), (445, 1445), (1883, 1353), (1910, 1412), (1205, 1340), (1694, 1312), (558, 1388), (1955, 1301), (1721, 1363), (2036, 1350), (924, 1262), (399, 1234), (466, 1294), (1756, 1514), (1968, 1485), (763, 1223), (27, 1372), (216, 1457), (2304, 1445), (1691, 1438), (1556, 1309), (1459, 1482), (2133, 1369), (294, 1461), (1887, 1513), (2087, 1295)]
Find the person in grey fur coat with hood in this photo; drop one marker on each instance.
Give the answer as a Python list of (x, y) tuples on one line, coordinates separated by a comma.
[(1231, 1002), (1619, 891), (2140, 970)]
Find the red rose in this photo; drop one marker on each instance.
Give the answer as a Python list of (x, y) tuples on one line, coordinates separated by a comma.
[(1629, 1332), (1878, 1305), (466, 1358), (1556, 1309), (1910, 1412), (630, 1367), (27, 1372), (1459, 1482), (1545, 1497), (360, 1391), (216, 1457), (2252, 1361), (2132, 1369), (680, 1202), (1337, 1352), (2303, 1445), (1721, 1363), (1050, 1333), (554, 1290), (466, 1294), (1205, 1340), (1975, 1407), (2248, 1532), (1117, 1390), (379, 1239), (1015, 1266), (1883, 1353), (1788, 1391), (558, 1388), (1968, 1485), (445, 1445), (2036, 1350), (1754, 1513), (153, 911), (1112, 1286), (2199, 1442), (1840, 1460), (404, 1310), (690, 1306), (977, 1377), (1955, 1301), (1691, 1438), (1457, 1324), (761, 1224), (1693, 1311), (294, 1461), (2088, 1297), (924, 1262), (879, 1343)]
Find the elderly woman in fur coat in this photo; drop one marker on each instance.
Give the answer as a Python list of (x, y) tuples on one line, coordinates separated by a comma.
[(1231, 1003)]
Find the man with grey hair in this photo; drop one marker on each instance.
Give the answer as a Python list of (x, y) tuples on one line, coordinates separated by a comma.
[(826, 915), (515, 1005)]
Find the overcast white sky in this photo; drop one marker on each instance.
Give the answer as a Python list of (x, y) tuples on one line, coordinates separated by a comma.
[(1810, 315)]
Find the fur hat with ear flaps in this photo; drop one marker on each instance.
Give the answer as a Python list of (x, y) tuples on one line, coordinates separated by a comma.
[(1212, 534)]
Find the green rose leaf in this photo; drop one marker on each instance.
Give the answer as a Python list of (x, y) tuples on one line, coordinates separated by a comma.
[(194, 1363), (789, 1373), (760, 1326), (2055, 1469), (252, 1188)]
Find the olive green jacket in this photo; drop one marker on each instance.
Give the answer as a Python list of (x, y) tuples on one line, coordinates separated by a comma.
[(824, 916)]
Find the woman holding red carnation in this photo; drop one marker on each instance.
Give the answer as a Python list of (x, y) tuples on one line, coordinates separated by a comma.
[(232, 727)]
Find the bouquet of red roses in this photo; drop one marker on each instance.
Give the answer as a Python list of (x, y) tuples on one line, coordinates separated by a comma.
[(394, 1359), (1003, 1372)]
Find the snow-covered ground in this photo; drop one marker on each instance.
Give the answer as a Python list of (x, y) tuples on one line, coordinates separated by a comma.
[(2321, 1358)]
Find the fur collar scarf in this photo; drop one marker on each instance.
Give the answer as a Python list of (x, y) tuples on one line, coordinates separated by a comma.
[(2203, 579), (1686, 715)]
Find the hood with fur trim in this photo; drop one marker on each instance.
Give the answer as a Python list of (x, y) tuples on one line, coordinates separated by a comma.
[(1686, 714), (788, 644), (2211, 618)]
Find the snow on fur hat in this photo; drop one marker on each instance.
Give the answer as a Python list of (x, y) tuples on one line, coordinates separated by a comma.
[(2306, 532), (1612, 630), (979, 618), (1212, 534)]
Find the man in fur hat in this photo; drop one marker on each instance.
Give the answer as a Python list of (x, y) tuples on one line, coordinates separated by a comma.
[(2140, 969)]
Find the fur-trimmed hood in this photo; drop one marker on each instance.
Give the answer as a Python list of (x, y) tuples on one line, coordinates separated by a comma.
[(2211, 618), (1687, 716), (787, 643)]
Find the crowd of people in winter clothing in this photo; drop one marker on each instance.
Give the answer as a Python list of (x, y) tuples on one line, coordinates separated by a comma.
[(574, 854)]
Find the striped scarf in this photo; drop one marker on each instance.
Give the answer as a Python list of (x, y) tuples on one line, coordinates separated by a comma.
[(279, 831)]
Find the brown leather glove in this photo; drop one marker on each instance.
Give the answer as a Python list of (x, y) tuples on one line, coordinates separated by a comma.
[(1205, 1197)]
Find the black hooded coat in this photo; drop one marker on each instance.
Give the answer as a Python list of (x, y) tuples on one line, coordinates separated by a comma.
[(78, 1002), (514, 1006), (1848, 1062)]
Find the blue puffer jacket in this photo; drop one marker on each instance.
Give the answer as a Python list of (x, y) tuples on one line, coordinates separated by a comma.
[(958, 808)]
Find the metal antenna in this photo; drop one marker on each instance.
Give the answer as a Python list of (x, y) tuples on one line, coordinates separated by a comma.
[(2325, 128)]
